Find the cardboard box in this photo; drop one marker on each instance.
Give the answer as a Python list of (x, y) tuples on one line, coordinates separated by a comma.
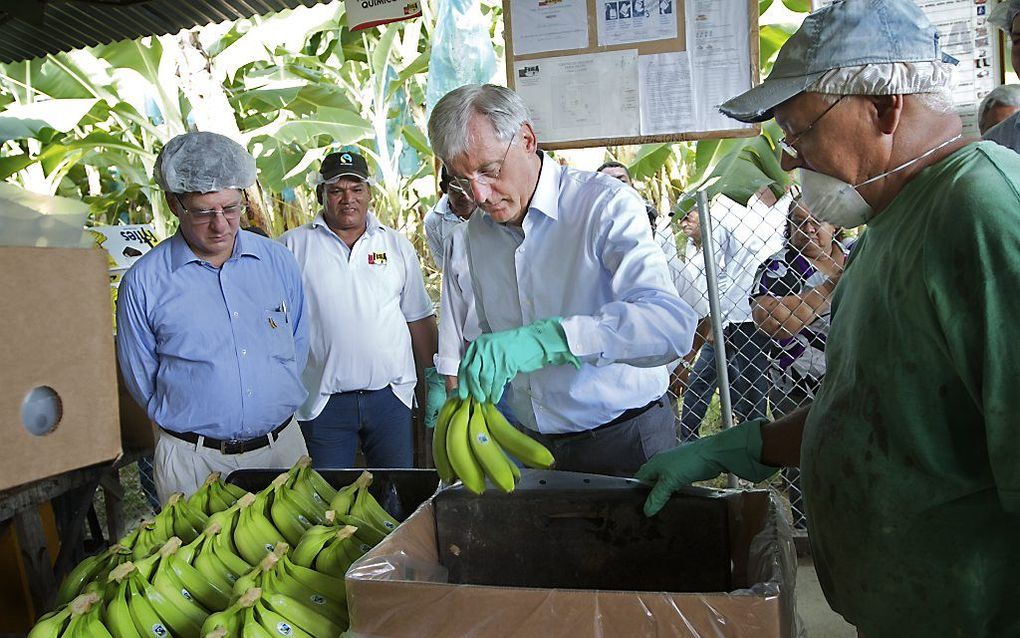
[(58, 335), (403, 587)]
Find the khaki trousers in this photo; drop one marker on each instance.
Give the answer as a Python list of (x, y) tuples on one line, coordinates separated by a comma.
[(180, 466)]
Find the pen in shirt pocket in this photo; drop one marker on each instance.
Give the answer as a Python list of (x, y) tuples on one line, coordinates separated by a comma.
[(283, 309)]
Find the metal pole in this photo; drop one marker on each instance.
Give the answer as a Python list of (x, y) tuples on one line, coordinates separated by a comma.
[(722, 374)]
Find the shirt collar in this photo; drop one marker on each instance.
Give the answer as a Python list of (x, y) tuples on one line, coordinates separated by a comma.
[(546, 198), (444, 210), (181, 253)]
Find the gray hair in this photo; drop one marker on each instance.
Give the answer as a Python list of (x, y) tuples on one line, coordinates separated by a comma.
[(1004, 94), (448, 124)]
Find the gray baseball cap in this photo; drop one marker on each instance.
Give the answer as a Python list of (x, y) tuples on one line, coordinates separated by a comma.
[(847, 33)]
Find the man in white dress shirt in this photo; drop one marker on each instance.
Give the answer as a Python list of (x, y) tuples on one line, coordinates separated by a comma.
[(371, 322), (573, 296)]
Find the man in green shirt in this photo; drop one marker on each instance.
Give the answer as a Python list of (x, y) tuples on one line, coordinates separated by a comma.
[(909, 454)]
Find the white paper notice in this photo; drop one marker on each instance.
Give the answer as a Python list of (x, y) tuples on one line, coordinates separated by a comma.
[(717, 32), (548, 25), (581, 97), (626, 21), (667, 96)]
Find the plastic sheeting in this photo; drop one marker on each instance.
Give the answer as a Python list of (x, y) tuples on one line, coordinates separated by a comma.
[(462, 50)]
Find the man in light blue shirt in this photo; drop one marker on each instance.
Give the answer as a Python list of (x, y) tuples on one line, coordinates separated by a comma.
[(572, 293), (452, 209), (211, 334)]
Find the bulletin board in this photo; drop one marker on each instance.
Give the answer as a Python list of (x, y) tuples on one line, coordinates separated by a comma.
[(616, 72), (965, 34)]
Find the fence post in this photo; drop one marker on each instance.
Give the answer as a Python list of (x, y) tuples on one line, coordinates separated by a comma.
[(712, 277)]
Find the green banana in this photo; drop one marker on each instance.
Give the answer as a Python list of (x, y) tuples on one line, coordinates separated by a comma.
[(147, 622), (311, 544), (462, 459), (151, 535), (344, 499), (51, 625), (334, 559), (321, 486), (280, 581), (118, 616), (85, 618), (206, 592), (439, 454), (517, 444), (292, 512), (277, 625), (83, 573), (174, 604), (369, 533), (231, 619), (185, 521), (254, 534), (306, 618), (367, 508), (490, 456), (252, 627)]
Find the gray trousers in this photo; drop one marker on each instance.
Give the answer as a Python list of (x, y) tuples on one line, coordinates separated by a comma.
[(617, 450)]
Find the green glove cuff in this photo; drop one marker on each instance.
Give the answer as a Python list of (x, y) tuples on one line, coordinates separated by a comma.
[(738, 450), (432, 376), (552, 338)]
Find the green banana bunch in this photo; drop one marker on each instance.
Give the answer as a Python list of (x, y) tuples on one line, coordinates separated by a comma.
[(323, 594), (53, 624), (344, 499), (472, 441), (202, 556), (367, 533), (185, 521), (230, 621), (292, 512), (178, 573), (215, 495), (310, 483), (368, 509), (128, 614), (86, 618), (152, 534), (254, 533), (92, 569), (255, 576), (311, 544), (338, 553)]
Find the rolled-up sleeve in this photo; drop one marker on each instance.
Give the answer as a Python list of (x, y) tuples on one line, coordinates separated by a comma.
[(646, 324), (454, 306)]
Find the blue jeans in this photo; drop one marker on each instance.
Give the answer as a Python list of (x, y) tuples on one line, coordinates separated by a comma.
[(747, 363), (377, 418)]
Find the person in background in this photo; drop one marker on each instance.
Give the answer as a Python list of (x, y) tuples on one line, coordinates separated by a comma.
[(452, 208), (1006, 132), (573, 296), (744, 237), (373, 329), (212, 332), (999, 104), (908, 451), (790, 302)]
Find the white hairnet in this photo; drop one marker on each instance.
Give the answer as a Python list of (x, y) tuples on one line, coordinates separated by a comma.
[(890, 78), (1003, 13), (203, 162)]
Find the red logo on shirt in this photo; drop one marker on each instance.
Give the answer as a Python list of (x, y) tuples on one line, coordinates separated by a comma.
[(377, 259)]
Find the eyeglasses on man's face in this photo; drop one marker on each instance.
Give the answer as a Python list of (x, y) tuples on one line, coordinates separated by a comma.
[(484, 177), (230, 213), (787, 142)]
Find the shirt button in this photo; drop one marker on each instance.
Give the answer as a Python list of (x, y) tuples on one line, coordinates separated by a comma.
[(243, 352), (235, 314), (249, 391)]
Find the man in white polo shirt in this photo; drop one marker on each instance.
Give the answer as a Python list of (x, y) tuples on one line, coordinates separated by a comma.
[(371, 321)]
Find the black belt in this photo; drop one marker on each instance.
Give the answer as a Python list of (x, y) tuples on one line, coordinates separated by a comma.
[(233, 446), (627, 415)]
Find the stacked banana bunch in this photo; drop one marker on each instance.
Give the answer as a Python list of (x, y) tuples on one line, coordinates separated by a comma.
[(471, 442), (226, 563)]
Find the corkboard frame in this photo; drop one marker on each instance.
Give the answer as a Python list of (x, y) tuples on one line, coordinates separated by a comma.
[(644, 48)]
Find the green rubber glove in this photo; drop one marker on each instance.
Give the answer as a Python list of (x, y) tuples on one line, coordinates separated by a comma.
[(436, 396), (496, 358), (736, 450)]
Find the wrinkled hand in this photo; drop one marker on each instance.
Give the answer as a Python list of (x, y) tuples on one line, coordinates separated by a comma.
[(736, 450), (496, 358), (436, 396)]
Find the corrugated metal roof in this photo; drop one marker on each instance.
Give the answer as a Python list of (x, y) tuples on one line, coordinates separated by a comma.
[(39, 27)]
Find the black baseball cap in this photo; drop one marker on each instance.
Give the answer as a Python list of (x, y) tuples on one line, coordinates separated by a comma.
[(343, 164)]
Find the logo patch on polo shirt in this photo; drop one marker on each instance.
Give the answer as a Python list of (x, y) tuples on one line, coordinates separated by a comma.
[(377, 259)]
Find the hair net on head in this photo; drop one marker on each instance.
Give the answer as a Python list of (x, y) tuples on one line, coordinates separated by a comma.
[(1003, 13), (203, 162)]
